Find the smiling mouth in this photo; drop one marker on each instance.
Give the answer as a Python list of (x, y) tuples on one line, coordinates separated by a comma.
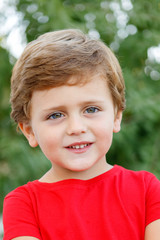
[(81, 146)]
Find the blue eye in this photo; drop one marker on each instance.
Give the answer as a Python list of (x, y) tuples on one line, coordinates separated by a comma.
[(56, 115), (91, 110)]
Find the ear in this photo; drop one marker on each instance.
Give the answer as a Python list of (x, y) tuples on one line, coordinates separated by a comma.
[(117, 122), (28, 133)]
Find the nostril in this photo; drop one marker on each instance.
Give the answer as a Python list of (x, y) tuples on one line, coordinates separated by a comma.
[(76, 129)]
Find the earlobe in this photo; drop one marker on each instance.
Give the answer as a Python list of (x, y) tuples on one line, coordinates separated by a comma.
[(117, 122), (28, 133)]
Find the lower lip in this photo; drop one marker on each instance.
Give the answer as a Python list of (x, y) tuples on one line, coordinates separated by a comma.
[(79, 150)]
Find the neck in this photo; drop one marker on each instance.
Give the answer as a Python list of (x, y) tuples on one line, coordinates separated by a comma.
[(56, 173)]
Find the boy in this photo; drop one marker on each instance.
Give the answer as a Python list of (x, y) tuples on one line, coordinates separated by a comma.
[(67, 96)]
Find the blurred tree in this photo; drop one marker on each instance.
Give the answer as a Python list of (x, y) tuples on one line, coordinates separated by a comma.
[(131, 29), (138, 143), (17, 161)]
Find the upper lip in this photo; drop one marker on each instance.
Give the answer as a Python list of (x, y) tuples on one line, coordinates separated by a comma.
[(78, 143)]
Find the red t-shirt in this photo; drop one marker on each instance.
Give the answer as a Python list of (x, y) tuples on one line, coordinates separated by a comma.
[(116, 205)]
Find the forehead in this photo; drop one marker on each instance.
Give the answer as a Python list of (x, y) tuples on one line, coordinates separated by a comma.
[(87, 88)]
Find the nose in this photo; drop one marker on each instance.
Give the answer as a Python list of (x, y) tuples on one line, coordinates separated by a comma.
[(76, 125)]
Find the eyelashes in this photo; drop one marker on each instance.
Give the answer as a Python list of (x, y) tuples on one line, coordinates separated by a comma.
[(56, 115), (92, 110), (60, 115)]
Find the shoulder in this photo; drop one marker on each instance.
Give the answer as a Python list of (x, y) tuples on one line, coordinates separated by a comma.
[(145, 187), (21, 191), (143, 176), (142, 182), (19, 213), (19, 197)]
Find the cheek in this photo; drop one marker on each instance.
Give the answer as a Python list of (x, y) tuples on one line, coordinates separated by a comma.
[(49, 141), (104, 134), (104, 128)]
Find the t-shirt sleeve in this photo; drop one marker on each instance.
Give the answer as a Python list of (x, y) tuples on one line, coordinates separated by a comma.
[(18, 215), (152, 200)]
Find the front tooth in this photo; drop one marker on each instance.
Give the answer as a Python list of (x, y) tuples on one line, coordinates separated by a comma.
[(84, 145), (80, 146)]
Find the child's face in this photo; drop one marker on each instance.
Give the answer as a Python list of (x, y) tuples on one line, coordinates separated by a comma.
[(73, 125)]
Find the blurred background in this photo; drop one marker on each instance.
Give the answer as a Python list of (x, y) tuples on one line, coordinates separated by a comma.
[(132, 30)]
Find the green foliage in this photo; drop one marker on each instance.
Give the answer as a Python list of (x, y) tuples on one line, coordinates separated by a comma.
[(137, 146)]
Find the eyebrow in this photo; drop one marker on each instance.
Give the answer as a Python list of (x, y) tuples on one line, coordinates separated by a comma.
[(62, 107)]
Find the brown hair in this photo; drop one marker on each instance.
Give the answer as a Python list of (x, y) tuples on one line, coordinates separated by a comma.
[(51, 60)]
